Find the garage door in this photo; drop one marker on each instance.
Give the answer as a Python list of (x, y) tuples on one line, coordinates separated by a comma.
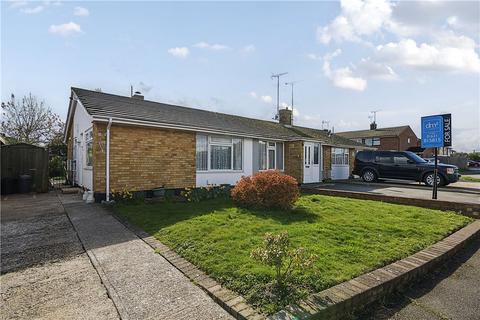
[(340, 167)]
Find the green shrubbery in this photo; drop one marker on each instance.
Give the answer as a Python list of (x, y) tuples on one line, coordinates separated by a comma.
[(267, 189), (205, 193)]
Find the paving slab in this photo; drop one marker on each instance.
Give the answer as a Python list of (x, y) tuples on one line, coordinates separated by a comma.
[(142, 284), (46, 274), (452, 292)]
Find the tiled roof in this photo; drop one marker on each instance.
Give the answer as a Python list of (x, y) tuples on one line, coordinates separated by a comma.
[(104, 105), (377, 133)]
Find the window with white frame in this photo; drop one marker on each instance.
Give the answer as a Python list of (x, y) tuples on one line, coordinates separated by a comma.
[(371, 141), (89, 148), (218, 153), (270, 155), (340, 156)]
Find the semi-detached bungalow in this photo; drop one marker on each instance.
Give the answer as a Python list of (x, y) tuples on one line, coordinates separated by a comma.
[(116, 142)]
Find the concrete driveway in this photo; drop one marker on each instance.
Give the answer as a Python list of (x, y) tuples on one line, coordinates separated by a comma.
[(64, 259), (45, 272)]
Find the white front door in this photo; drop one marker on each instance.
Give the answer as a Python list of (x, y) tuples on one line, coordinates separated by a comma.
[(311, 162)]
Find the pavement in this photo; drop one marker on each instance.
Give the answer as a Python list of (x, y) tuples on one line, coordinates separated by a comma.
[(452, 292), (142, 284), (459, 192), (86, 265), (45, 273)]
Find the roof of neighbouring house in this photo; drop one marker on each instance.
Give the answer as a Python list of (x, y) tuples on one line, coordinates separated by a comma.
[(377, 133), (104, 105)]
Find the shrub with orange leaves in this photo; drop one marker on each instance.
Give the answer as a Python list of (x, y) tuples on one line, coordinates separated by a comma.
[(266, 189)]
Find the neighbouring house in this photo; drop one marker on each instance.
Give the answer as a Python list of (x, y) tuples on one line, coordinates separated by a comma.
[(116, 141), (400, 138)]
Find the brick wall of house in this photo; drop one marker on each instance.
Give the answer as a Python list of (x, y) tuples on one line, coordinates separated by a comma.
[(327, 162), (143, 158), (294, 159), (388, 143), (404, 144)]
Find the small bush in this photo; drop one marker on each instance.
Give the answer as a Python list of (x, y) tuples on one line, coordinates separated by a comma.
[(276, 253), (205, 193), (123, 195), (267, 189)]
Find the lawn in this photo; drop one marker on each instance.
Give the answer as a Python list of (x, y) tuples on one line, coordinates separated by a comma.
[(349, 236), (469, 179)]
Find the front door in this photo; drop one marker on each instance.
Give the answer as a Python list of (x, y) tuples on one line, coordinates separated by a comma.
[(311, 162)]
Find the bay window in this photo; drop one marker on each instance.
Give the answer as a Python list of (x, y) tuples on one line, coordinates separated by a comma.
[(270, 155), (218, 153)]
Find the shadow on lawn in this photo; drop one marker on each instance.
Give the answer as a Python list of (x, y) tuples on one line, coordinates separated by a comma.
[(296, 214), (156, 216)]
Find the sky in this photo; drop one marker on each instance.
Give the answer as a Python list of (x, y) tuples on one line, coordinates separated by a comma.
[(407, 59)]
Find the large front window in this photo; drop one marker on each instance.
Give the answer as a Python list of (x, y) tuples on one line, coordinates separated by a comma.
[(340, 156), (270, 155), (218, 153)]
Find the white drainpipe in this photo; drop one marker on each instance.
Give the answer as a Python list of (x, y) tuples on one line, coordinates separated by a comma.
[(107, 165)]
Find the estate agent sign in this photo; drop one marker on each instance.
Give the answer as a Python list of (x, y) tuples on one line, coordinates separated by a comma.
[(437, 131)]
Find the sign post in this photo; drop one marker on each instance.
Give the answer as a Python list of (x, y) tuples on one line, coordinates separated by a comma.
[(436, 133)]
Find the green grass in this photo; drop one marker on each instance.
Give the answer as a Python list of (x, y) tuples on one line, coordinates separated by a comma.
[(469, 179), (349, 236)]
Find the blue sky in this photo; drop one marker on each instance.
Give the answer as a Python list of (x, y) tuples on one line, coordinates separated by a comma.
[(407, 59)]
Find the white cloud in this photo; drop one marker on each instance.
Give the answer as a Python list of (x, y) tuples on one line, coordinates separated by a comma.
[(266, 99), (65, 29), (179, 52), (342, 77), (32, 10), (313, 56), (81, 12), (358, 18), (450, 54), (17, 3), (249, 49), (376, 70), (213, 47)]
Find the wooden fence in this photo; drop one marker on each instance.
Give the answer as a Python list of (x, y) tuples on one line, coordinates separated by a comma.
[(25, 159)]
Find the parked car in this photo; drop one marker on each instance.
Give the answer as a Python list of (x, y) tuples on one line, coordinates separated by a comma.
[(431, 160), (405, 165), (473, 164)]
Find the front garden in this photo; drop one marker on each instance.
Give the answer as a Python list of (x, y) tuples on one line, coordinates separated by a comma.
[(348, 237)]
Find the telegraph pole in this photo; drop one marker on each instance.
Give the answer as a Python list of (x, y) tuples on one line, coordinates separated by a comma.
[(278, 75)]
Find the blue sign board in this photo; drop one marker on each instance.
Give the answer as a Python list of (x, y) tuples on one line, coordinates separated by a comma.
[(437, 131)]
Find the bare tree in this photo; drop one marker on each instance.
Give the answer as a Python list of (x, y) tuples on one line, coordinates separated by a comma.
[(30, 121)]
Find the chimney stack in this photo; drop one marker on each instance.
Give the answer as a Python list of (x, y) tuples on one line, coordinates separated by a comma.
[(286, 117), (373, 126), (137, 95)]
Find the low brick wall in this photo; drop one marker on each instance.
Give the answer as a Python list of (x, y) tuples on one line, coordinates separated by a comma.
[(468, 209), (345, 298)]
